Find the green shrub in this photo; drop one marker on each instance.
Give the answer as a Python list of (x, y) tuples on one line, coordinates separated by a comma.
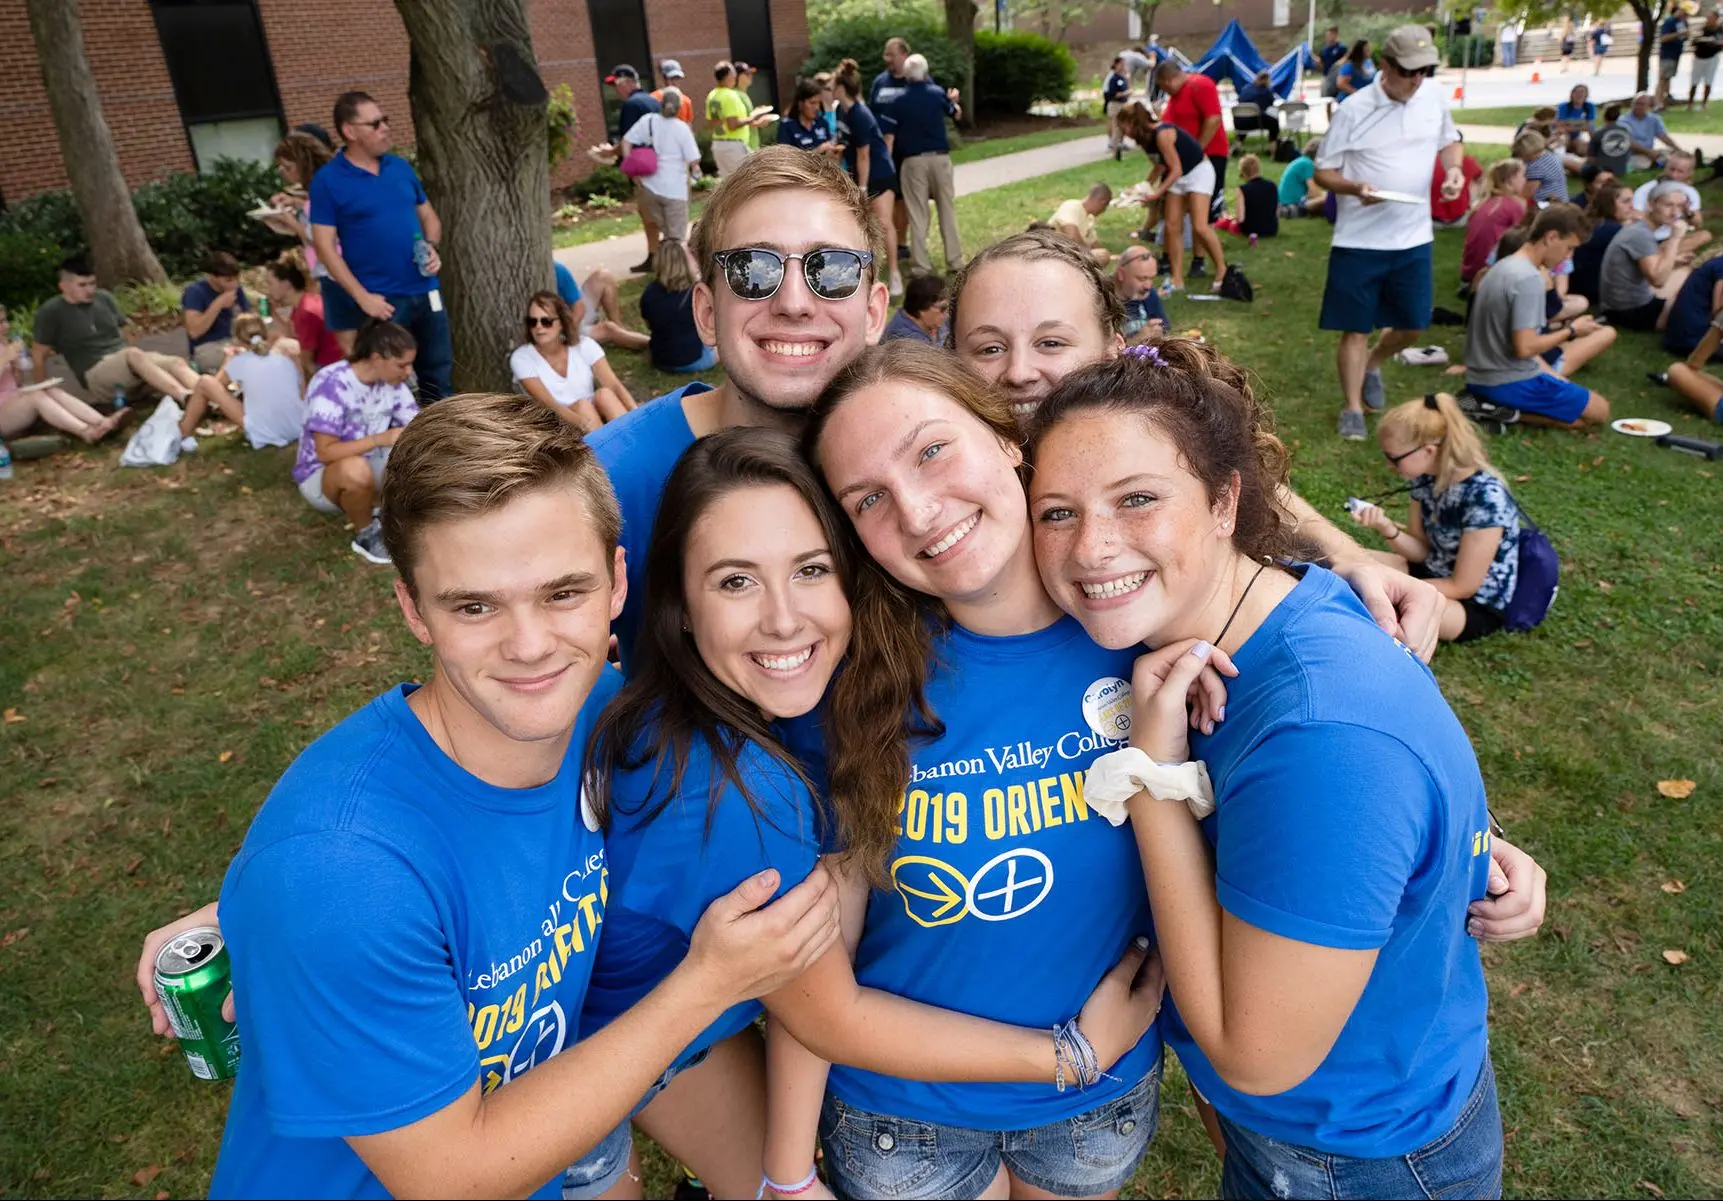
[(562, 122), (50, 216), (862, 38), (223, 195), (608, 181), (29, 267), (1483, 51), (1015, 69)]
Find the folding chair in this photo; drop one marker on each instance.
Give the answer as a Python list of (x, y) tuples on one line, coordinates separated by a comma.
[(1294, 120), (1247, 120)]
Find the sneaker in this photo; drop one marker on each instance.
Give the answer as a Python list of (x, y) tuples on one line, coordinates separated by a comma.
[(1198, 269), (1118, 154), (188, 445), (368, 544), (1484, 412), (1423, 356), (1375, 395), (896, 288), (1352, 425), (1660, 378), (902, 253), (642, 267), (1168, 288)]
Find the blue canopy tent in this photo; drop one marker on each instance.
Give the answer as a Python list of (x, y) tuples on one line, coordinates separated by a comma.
[(1234, 57)]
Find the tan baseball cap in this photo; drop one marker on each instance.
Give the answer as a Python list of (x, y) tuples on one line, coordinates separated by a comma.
[(1412, 47)]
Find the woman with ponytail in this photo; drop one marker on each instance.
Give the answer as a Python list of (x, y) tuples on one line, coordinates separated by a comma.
[(1312, 861), (867, 157), (1462, 532)]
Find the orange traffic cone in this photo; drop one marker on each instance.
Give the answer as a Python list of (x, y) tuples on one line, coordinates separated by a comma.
[(1536, 65), (1459, 93)]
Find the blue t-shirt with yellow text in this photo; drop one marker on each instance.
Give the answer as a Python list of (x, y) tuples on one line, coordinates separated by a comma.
[(1011, 897), (666, 871), (399, 930), (1350, 813)]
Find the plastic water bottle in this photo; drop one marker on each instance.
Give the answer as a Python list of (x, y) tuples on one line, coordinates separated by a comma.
[(119, 397), (422, 254), (5, 462), (24, 361)]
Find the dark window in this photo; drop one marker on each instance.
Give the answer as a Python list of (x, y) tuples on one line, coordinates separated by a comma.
[(619, 36), (750, 26), (222, 76)]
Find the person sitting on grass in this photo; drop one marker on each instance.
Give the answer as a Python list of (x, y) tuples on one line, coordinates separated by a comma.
[(1646, 129), (1298, 194), (922, 317), (1505, 342), (1134, 284), (1575, 118), (270, 406), (1610, 208), (596, 304), (1678, 170), (20, 410), (1452, 213), (1076, 220), (1258, 204), (1696, 385), (85, 324), (1543, 167), (208, 306), (1462, 532), (1641, 273), (1503, 206), (559, 368), (1695, 307), (298, 315), (1592, 176), (667, 307), (354, 411)]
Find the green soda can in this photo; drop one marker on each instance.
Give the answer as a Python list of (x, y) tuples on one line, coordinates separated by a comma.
[(193, 978)]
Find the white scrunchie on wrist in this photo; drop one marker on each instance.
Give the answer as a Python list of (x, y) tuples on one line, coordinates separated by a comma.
[(1118, 776)]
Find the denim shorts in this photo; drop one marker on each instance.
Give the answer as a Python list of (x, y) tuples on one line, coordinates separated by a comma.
[(877, 1155), (1464, 1162), (594, 1173), (1378, 289)]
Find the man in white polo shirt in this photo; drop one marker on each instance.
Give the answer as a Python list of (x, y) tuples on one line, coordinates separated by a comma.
[(1383, 140)]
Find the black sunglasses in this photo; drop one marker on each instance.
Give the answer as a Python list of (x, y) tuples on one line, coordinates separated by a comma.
[(542, 322), (1396, 459), (756, 273), (377, 124), (1426, 72)]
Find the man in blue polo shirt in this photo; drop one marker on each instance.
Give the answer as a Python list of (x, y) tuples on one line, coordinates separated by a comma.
[(923, 156), (637, 103), (377, 234)]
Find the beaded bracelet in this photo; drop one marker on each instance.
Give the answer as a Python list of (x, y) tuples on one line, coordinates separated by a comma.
[(786, 1190)]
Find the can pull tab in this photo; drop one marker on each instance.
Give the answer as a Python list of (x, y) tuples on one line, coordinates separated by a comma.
[(193, 950)]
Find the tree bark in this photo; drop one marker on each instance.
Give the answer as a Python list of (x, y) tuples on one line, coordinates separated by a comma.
[(121, 252), (960, 28), (479, 112), (1648, 18)]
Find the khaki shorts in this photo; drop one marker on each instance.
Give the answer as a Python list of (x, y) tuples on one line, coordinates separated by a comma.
[(1666, 67), (114, 372), (670, 216), (209, 357), (728, 153)]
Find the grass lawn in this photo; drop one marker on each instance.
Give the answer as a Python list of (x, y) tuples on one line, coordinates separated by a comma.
[(1676, 117), (174, 637)]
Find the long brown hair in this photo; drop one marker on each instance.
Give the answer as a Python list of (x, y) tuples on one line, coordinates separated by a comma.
[(672, 697), (306, 154), (1204, 403), (1036, 245), (878, 703), (557, 307)]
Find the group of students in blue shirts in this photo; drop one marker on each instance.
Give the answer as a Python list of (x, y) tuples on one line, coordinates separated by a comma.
[(873, 670)]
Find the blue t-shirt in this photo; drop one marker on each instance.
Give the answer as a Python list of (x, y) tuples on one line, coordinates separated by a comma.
[(566, 287), (1675, 24), (903, 326), (399, 931), (791, 132), (199, 294), (1644, 130), (1351, 814), (1690, 315), (1262, 97), (1138, 313), (1479, 502), (376, 220), (1358, 77), (1012, 899), (1568, 111), (1295, 180), (637, 451), (664, 872), (919, 110), (858, 127)]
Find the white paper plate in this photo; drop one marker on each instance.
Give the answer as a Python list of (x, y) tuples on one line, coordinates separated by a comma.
[(55, 382), (1398, 197), (1640, 427)]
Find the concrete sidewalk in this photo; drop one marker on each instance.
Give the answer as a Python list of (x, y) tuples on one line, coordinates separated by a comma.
[(621, 252)]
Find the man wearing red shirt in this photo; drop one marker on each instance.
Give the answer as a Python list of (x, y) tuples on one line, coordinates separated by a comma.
[(1193, 104)]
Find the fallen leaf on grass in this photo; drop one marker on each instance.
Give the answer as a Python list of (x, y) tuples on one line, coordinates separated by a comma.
[(12, 936), (1606, 586), (1678, 790), (1648, 1187), (224, 757), (1521, 479), (1673, 887), (12, 717), (1674, 957), (145, 1175), (1518, 989)]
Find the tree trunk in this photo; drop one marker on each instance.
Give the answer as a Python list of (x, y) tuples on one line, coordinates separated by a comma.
[(960, 27), (121, 252), (1647, 42), (479, 112)]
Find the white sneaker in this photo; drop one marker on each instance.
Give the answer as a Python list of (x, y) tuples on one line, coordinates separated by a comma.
[(188, 445), (896, 287)]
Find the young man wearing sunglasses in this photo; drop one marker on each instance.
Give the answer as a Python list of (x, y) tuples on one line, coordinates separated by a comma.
[(788, 304), (376, 232), (1382, 141)]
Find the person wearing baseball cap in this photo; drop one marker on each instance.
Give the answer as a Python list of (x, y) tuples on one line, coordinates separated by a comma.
[(635, 103), (1381, 142), (670, 71)]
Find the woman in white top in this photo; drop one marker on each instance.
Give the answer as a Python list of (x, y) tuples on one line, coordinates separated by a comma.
[(564, 370), (663, 195), (270, 405)]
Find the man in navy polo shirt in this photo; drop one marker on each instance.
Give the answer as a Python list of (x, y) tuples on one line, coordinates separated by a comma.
[(923, 155), (637, 102), (377, 234)]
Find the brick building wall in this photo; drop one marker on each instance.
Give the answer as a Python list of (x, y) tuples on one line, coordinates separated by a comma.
[(313, 66)]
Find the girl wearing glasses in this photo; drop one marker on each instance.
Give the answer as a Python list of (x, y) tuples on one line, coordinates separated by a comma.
[(1326, 992), (1462, 532), (564, 370)]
